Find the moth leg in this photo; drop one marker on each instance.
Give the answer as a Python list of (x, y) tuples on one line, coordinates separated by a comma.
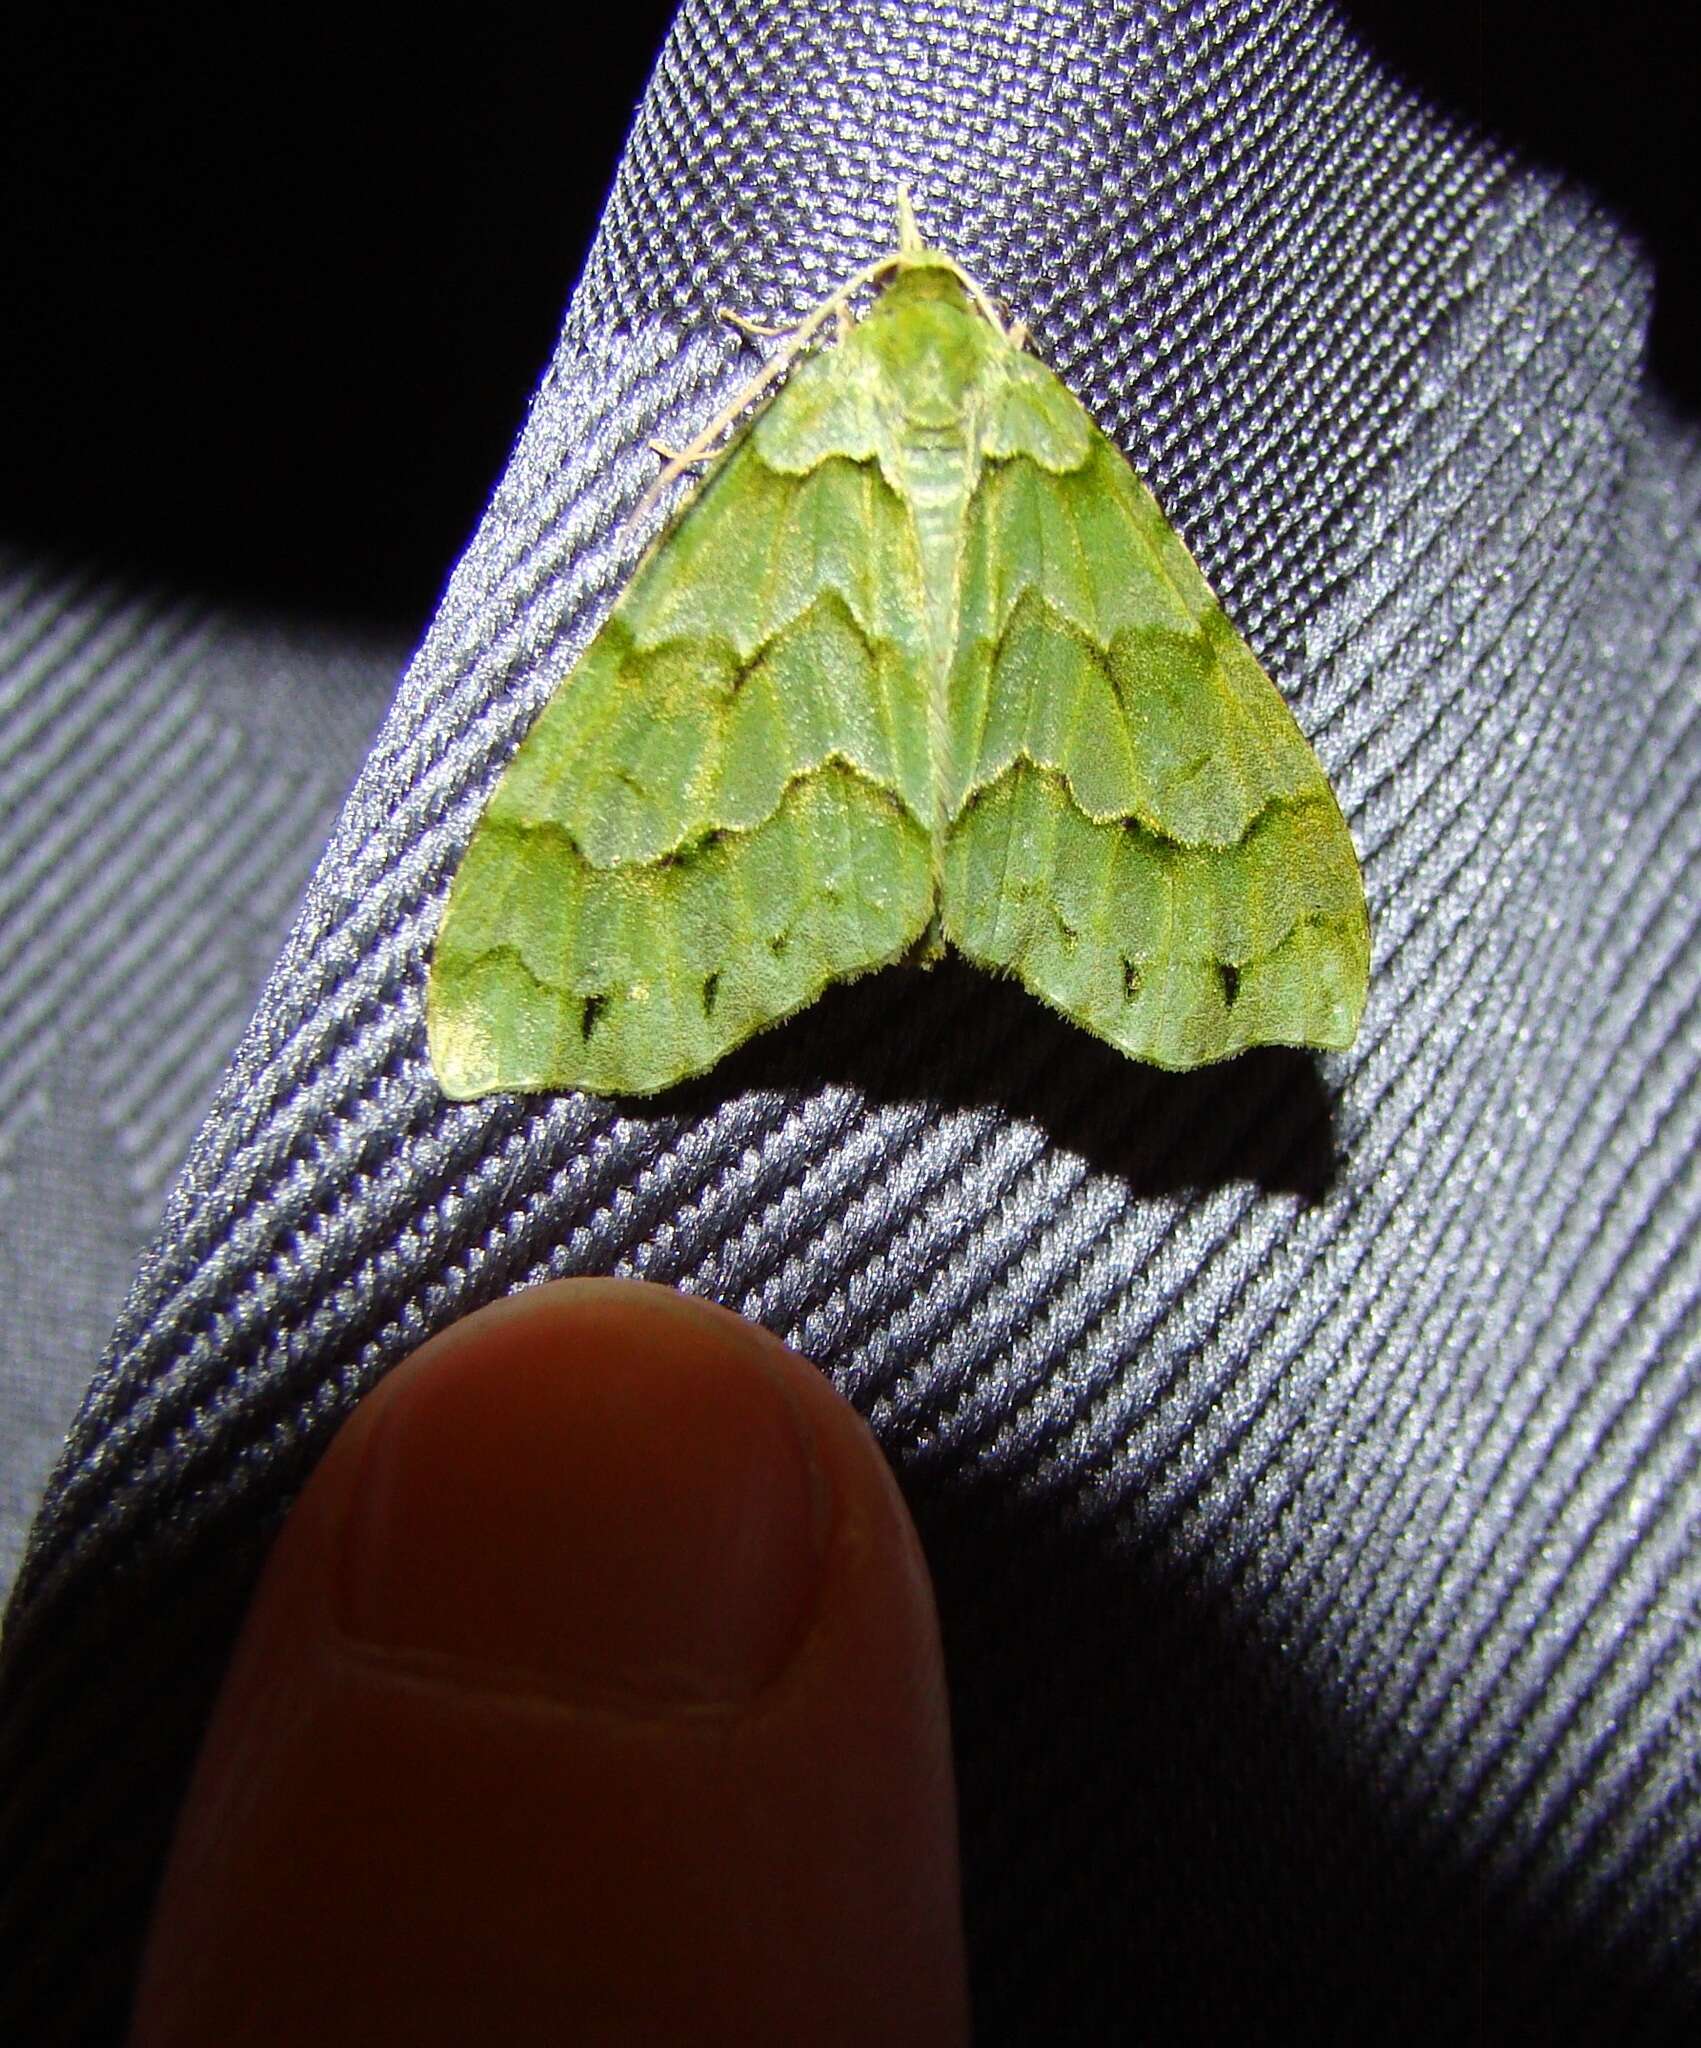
[(758, 330), (714, 434)]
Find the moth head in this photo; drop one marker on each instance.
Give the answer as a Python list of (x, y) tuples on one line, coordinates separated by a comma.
[(929, 339)]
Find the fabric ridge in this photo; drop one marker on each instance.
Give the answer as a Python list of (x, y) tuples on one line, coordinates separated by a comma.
[(1305, 1448)]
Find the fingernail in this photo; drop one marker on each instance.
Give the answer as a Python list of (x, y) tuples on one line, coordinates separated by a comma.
[(619, 1498)]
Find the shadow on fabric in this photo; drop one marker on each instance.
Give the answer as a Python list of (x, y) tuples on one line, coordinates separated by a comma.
[(1247, 1879), (960, 1039)]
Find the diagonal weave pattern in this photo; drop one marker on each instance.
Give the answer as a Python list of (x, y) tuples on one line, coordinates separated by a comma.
[(169, 775), (1306, 1451)]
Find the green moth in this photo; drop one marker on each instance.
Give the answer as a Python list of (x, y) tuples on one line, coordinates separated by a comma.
[(920, 665)]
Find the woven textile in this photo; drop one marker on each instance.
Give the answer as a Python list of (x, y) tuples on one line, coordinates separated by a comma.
[(1305, 1448), (169, 773)]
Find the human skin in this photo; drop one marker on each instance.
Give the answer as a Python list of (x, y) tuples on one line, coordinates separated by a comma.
[(592, 1692)]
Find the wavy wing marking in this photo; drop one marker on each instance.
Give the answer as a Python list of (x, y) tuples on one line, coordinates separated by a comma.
[(1139, 830), (721, 808)]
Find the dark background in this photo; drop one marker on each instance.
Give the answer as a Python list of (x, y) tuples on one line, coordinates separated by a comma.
[(279, 284), (280, 281)]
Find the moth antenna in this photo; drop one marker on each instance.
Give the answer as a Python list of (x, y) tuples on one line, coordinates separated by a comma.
[(836, 308)]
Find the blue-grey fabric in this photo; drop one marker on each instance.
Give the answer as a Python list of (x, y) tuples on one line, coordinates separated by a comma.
[(1305, 1448), (169, 773)]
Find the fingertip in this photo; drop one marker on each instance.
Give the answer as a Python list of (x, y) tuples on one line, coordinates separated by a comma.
[(603, 1488), (601, 1649)]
